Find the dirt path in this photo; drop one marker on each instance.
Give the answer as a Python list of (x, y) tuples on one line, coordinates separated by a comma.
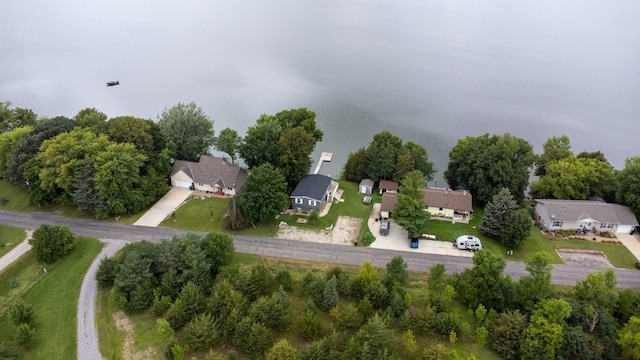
[(128, 350), (345, 232)]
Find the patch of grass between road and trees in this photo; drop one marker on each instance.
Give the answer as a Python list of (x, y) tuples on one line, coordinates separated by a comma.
[(53, 296), (16, 198), (10, 237)]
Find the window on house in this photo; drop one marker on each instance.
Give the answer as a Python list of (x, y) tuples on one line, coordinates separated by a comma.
[(312, 202), (606, 226), (557, 223), (298, 200), (200, 184)]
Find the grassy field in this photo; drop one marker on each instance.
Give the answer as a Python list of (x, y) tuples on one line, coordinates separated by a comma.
[(54, 297), (9, 238)]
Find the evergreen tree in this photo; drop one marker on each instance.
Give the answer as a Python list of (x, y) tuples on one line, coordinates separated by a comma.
[(497, 213), (329, 295)]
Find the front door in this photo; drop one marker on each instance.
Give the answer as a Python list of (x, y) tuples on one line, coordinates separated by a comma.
[(585, 226)]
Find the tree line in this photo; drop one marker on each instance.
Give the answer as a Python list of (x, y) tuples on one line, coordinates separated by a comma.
[(190, 284)]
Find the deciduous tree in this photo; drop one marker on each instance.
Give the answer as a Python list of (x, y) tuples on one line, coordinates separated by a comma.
[(487, 164), (409, 211), (506, 332), (555, 148), (228, 141), (302, 117), (261, 142), (9, 141), (190, 129), (29, 145), (629, 184), (382, 155), (264, 195), (629, 339), (517, 229), (355, 167), (294, 149), (576, 178)]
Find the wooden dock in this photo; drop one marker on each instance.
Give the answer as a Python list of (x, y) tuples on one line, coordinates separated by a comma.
[(326, 156)]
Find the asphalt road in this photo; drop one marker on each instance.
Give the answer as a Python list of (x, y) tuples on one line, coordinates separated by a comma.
[(341, 254)]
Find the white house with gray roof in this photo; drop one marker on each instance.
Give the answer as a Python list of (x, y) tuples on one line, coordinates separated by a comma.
[(585, 215), (210, 174)]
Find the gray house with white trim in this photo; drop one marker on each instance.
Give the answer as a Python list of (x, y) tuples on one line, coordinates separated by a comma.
[(312, 192), (585, 215)]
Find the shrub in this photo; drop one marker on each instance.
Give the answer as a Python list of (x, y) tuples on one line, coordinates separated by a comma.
[(282, 350), (7, 353), (25, 335), (160, 305), (51, 242), (436, 352), (446, 322), (367, 239), (21, 313)]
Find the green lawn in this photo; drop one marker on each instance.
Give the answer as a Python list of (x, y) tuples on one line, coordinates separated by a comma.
[(54, 297), (9, 238), (16, 198), (199, 215)]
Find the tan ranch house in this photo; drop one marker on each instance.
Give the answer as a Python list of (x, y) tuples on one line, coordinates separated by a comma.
[(442, 204), (448, 204), (211, 174)]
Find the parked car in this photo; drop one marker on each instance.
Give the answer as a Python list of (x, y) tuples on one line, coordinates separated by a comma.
[(414, 243), (384, 227)]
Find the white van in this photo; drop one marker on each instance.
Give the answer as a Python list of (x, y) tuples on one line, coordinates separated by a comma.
[(468, 242)]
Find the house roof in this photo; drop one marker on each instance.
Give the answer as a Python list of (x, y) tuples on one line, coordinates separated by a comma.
[(576, 210), (367, 182), (448, 199), (212, 170), (313, 186), (388, 201), (388, 185)]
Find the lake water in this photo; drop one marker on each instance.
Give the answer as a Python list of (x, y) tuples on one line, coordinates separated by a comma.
[(428, 71)]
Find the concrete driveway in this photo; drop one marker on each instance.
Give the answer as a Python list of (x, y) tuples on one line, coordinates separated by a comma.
[(164, 207), (631, 242), (398, 240)]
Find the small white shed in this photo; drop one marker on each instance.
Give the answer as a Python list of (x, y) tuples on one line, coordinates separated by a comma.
[(366, 186)]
